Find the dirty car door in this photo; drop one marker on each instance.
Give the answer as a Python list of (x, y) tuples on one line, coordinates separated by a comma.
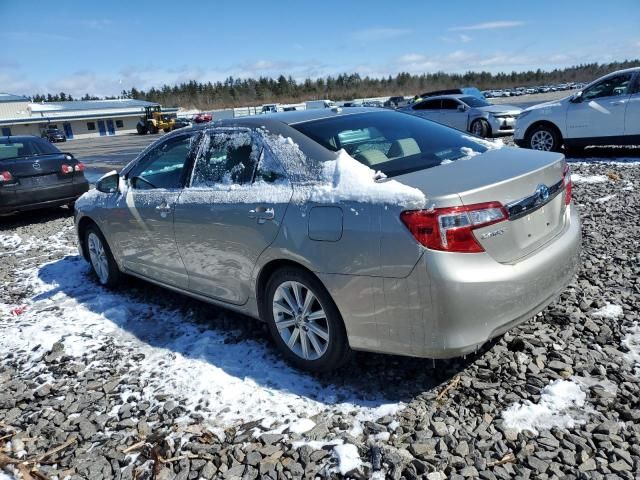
[(142, 221), (230, 213)]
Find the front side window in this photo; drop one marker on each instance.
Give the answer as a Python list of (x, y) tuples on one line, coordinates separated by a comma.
[(609, 87), (91, 126), (450, 104), (164, 165), (226, 158)]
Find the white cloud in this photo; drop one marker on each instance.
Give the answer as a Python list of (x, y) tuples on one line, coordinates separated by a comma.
[(376, 34), (489, 25), (464, 38)]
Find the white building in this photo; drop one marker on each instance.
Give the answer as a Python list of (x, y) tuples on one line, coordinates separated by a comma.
[(78, 119)]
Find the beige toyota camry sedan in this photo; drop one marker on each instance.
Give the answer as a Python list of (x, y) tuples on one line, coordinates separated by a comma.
[(354, 229)]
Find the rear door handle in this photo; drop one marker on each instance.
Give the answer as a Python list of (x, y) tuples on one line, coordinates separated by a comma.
[(619, 102), (163, 209), (262, 214)]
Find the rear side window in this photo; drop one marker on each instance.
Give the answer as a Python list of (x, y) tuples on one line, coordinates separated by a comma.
[(392, 142), (25, 147)]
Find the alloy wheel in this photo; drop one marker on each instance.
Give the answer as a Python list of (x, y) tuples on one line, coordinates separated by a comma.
[(542, 140), (98, 257), (301, 320)]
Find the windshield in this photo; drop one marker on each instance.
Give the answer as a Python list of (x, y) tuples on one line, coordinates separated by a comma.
[(392, 142), (474, 102), (24, 147)]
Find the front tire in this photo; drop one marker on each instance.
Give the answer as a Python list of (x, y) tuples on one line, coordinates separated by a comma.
[(304, 321), (101, 259), (480, 128), (543, 138)]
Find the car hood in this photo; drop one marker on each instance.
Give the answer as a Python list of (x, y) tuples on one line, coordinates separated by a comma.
[(552, 104), (500, 109)]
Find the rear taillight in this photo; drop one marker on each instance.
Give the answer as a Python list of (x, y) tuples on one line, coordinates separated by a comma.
[(451, 229), (79, 167), (568, 186), (66, 168), (5, 177)]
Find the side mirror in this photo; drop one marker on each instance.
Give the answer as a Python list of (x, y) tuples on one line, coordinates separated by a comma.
[(462, 108), (108, 183), (576, 97)]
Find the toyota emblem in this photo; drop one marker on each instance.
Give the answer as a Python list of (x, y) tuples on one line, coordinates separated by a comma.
[(36, 165), (543, 193)]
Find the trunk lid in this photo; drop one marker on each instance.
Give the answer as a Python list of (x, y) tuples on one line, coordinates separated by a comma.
[(35, 165), (513, 178)]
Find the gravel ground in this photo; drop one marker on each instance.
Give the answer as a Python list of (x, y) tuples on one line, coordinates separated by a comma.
[(557, 397)]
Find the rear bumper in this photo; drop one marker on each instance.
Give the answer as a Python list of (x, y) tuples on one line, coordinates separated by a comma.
[(14, 200), (474, 298)]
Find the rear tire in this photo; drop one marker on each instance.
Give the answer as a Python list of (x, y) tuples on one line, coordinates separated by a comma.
[(481, 128), (304, 321), (142, 130), (543, 138), (151, 128), (101, 259)]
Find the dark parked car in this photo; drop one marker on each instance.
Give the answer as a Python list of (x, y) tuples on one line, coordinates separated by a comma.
[(35, 174), (54, 135), (181, 123), (395, 102)]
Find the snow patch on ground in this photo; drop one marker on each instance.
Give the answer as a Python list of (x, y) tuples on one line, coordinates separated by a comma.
[(558, 401), (632, 342), (608, 311), (226, 382), (577, 178), (347, 457), (5, 476), (606, 198), (301, 426)]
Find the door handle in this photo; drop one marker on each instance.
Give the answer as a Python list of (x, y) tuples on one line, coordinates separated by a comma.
[(262, 214), (619, 102), (163, 208)]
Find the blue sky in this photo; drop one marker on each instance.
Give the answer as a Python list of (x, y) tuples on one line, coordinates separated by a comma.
[(103, 47)]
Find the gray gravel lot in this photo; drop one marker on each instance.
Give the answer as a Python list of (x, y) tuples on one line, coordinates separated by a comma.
[(452, 424)]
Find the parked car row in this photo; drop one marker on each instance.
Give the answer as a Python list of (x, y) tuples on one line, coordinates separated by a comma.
[(518, 91)]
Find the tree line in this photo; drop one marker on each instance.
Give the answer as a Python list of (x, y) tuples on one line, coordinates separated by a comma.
[(236, 92)]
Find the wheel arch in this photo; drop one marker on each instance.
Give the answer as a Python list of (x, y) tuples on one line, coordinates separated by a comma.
[(265, 273), (84, 223), (544, 123)]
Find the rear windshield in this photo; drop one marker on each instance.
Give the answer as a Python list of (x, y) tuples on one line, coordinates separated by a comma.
[(392, 142), (24, 147)]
